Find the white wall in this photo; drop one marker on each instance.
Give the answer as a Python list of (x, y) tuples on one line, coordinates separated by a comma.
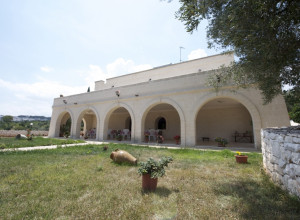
[(202, 64), (172, 122), (223, 123)]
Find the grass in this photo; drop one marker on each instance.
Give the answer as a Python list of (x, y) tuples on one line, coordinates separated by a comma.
[(84, 183), (8, 142)]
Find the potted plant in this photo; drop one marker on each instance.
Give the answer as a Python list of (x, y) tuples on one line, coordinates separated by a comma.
[(241, 158), (151, 170), (119, 135), (221, 141), (177, 139), (147, 133)]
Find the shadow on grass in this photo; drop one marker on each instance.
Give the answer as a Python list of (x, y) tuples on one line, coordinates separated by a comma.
[(260, 199), (160, 191)]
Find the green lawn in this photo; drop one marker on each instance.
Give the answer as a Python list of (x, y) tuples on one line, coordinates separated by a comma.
[(6, 142), (83, 183)]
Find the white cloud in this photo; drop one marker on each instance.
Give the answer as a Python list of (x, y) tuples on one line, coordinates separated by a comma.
[(46, 69), (37, 98), (195, 54), (119, 67)]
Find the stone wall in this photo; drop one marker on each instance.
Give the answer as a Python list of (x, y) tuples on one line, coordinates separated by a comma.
[(13, 133), (281, 157)]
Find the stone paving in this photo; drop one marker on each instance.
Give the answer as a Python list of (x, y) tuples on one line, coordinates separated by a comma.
[(242, 148)]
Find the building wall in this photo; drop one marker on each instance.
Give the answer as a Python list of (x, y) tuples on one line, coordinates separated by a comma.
[(172, 123), (224, 123), (167, 71), (117, 121), (186, 93)]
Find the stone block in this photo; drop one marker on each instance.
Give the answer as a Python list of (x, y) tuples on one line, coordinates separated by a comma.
[(288, 139), (276, 149), (286, 156), (272, 136), (293, 187), (278, 169), (296, 140), (295, 158), (292, 147), (280, 138), (298, 180), (282, 164), (292, 170), (274, 159)]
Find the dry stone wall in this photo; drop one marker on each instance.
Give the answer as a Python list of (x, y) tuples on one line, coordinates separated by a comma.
[(13, 133), (281, 157)]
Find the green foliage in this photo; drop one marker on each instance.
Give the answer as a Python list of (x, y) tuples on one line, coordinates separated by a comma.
[(65, 184), (6, 122), (65, 129), (154, 168), (24, 125), (292, 97), (295, 113), (7, 118), (263, 34)]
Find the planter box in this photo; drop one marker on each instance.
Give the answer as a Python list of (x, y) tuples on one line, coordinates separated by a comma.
[(241, 158), (148, 183)]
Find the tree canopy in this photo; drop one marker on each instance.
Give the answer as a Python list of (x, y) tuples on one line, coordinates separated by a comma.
[(263, 34)]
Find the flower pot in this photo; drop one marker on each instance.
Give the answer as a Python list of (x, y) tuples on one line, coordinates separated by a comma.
[(148, 183), (146, 139), (241, 158), (177, 142)]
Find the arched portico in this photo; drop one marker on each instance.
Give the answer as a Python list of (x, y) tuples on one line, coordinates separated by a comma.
[(238, 101), (63, 124), (119, 117), (160, 111), (90, 120)]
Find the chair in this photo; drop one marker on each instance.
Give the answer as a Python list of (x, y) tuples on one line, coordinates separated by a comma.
[(126, 133), (152, 134), (110, 134)]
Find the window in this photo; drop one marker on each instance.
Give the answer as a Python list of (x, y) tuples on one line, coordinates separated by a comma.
[(161, 123)]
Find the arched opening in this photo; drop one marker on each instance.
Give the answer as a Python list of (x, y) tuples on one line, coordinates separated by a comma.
[(119, 125), (128, 123), (64, 122), (162, 119), (87, 125), (160, 123), (227, 119)]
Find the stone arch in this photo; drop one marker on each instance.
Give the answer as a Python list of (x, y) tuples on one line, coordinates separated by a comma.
[(256, 119), (108, 113), (88, 125), (59, 119), (171, 102)]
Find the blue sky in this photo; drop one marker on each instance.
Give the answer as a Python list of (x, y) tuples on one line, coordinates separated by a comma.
[(48, 48)]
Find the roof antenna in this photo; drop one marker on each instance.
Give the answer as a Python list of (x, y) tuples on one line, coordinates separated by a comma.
[(180, 52)]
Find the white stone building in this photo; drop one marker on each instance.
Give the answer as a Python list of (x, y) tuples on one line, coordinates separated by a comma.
[(174, 99)]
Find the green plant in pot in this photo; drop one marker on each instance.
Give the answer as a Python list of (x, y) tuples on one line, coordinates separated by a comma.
[(221, 141), (151, 170)]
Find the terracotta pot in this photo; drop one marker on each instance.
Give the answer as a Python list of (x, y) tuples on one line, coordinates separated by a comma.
[(148, 183), (121, 156), (241, 158)]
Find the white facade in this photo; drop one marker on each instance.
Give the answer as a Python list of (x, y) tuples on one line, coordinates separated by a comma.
[(179, 94)]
